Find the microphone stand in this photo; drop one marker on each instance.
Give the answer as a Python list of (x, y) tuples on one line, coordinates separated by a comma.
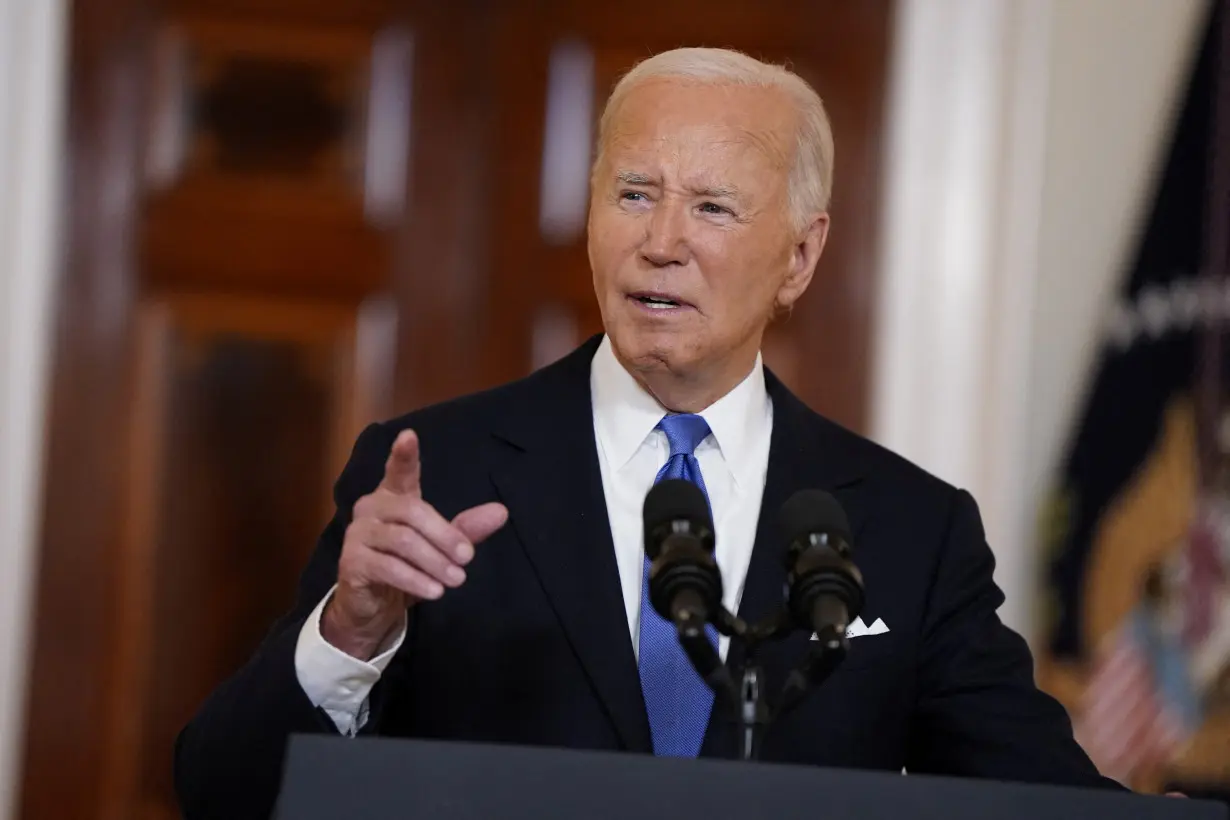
[(754, 715), (747, 700)]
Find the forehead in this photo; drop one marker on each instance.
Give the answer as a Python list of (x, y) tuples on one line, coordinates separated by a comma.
[(694, 123)]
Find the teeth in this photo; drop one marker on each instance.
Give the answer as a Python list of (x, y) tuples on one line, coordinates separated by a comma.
[(661, 305)]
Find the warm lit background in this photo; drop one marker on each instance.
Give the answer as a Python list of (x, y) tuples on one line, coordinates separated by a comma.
[(234, 231)]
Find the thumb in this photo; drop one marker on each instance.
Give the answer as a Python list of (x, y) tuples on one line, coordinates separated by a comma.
[(481, 522), (402, 472)]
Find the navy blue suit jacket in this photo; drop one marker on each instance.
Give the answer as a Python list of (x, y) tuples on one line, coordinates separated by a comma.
[(534, 648)]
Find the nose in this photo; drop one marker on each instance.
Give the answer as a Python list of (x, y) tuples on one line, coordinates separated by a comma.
[(665, 240)]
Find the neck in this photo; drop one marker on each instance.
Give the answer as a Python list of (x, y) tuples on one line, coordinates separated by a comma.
[(692, 392)]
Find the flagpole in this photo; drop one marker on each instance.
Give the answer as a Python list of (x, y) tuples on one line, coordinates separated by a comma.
[(1217, 261)]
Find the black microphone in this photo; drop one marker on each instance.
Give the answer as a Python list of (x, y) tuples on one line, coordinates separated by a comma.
[(825, 588), (685, 585)]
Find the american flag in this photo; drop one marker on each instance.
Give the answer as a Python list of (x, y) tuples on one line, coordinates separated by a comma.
[(1142, 702), (1129, 721)]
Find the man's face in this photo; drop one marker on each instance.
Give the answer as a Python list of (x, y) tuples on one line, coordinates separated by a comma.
[(690, 237)]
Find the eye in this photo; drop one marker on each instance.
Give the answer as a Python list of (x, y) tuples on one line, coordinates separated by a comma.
[(632, 196), (713, 208)]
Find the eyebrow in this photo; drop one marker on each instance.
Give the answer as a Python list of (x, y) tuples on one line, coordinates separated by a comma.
[(633, 178), (717, 191), (712, 191)]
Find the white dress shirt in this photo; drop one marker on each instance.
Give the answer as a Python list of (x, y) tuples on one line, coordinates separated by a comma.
[(733, 459)]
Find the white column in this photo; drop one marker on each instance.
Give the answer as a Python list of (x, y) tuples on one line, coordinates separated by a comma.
[(966, 148), (32, 77)]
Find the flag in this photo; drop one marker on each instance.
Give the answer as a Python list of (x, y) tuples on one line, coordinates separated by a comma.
[(1138, 532), (1140, 705)]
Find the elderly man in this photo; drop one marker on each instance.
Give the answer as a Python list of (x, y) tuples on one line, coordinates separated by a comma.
[(483, 577)]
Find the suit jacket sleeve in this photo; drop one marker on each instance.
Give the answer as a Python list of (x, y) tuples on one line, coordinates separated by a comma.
[(228, 759), (979, 712)]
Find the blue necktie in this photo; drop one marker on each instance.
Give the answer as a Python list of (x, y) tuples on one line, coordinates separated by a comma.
[(677, 700)]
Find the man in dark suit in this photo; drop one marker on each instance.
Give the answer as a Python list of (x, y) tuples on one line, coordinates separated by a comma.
[(483, 577)]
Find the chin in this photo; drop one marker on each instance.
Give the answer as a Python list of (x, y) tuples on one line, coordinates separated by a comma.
[(649, 352)]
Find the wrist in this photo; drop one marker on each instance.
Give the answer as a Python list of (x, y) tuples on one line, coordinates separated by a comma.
[(362, 641)]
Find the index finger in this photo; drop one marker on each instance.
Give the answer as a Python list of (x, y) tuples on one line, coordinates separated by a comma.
[(402, 471)]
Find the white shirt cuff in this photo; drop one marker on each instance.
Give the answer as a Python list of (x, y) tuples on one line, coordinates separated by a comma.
[(336, 682)]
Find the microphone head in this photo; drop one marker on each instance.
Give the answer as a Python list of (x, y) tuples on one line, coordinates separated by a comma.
[(824, 587), (813, 511), (675, 500)]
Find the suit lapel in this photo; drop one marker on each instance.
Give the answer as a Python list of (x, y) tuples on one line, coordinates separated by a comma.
[(805, 452), (553, 490)]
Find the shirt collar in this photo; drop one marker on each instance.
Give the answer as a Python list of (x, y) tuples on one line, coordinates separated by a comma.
[(625, 414)]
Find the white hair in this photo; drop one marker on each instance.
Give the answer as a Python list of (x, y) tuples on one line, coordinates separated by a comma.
[(811, 176)]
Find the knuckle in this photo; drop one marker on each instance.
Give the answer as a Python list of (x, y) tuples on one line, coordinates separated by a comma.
[(404, 576), (424, 587), (382, 568), (393, 570), (407, 578), (404, 541), (431, 525), (354, 536), (349, 566), (363, 507), (420, 557), (417, 512)]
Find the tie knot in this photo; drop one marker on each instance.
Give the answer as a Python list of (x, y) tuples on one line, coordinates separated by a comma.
[(684, 432)]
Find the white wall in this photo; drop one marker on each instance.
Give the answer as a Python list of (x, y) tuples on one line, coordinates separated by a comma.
[(1022, 137), (31, 101)]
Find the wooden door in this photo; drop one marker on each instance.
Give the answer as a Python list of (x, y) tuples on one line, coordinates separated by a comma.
[(289, 218), (226, 329)]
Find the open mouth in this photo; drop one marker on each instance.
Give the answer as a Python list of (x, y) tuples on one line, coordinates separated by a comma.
[(658, 301)]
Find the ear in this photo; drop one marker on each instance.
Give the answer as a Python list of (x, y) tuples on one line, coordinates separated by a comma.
[(803, 260)]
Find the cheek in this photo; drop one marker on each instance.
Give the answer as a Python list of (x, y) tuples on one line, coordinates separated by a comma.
[(743, 275), (612, 240)]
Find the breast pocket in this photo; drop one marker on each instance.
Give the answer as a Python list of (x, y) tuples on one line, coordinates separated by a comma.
[(873, 650)]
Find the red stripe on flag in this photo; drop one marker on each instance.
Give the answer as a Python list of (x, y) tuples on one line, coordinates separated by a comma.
[(1124, 725)]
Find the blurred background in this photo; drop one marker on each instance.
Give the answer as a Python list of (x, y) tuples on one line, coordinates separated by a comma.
[(232, 232)]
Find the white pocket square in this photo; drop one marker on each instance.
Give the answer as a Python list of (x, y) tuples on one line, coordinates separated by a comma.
[(858, 629)]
